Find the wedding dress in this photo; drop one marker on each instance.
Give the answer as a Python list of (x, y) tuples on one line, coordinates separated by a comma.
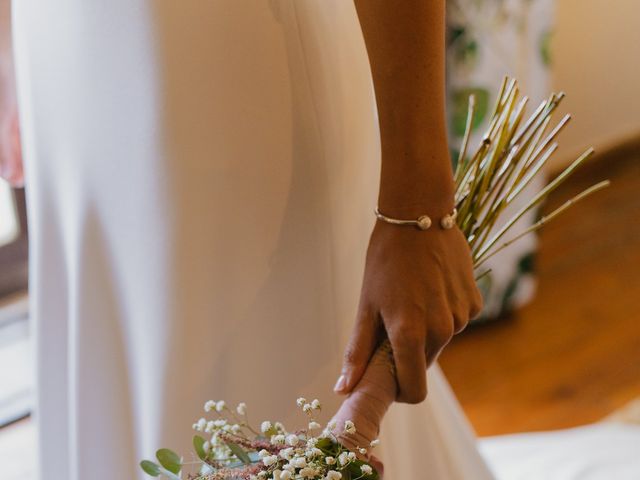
[(201, 179)]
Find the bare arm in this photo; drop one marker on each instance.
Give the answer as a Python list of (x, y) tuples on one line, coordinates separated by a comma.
[(418, 287), (10, 151)]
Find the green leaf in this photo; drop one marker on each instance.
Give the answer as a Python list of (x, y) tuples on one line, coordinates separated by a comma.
[(169, 460), (150, 468), (198, 444), (239, 452)]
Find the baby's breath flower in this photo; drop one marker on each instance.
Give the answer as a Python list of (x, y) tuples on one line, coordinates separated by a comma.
[(366, 469), (286, 475), (286, 453), (263, 453), (270, 460), (363, 451), (351, 456), (265, 426), (349, 427), (298, 462), (315, 404), (277, 439), (330, 460), (292, 440), (333, 475), (241, 408), (277, 475), (220, 405), (311, 442), (308, 472), (209, 427), (343, 458), (219, 423), (289, 468), (235, 428), (209, 405), (374, 443), (314, 425), (307, 408), (313, 452), (200, 425), (301, 401)]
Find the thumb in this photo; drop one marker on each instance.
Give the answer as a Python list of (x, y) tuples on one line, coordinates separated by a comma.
[(359, 350)]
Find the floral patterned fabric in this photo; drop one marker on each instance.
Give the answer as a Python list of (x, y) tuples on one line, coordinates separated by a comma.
[(486, 40)]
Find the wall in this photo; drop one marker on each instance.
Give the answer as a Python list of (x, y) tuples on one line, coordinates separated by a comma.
[(596, 62)]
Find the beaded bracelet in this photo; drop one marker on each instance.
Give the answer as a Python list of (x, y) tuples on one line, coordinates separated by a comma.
[(423, 222)]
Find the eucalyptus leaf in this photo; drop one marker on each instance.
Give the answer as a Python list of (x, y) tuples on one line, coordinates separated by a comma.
[(239, 452), (198, 445), (169, 460), (150, 468)]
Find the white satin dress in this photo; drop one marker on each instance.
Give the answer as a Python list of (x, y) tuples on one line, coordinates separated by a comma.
[(201, 180)]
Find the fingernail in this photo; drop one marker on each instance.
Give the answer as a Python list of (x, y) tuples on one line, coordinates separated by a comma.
[(340, 384)]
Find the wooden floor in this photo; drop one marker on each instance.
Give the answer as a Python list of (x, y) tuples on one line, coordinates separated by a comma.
[(573, 355)]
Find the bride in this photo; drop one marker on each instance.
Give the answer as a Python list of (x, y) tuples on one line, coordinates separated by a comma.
[(201, 179)]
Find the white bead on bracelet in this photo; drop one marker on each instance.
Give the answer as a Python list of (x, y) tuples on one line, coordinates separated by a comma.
[(423, 222)]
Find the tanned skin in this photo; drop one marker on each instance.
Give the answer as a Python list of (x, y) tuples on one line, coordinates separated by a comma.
[(418, 286)]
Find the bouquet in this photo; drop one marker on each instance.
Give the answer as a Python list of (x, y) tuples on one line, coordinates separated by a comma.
[(487, 182)]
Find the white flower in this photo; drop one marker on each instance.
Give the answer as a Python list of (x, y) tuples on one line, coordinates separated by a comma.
[(301, 401), (265, 426), (235, 428), (366, 469), (312, 442), (349, 427), (286, 453), (333, 475), (209, 405), (314, 425), (292, 440), (263, 453), (363, 451), (351, 456), (316, 404), (308, 472), (343, 458), (219, 423), (209, 427), (220, 405), (277, 475), (270, 460), (330, 460), (313, 452), (298, 462), (277, 439), (307, 408), (206, 447), (289, 468), (374, 443), (200, 425), (286, 475), (241, 408)]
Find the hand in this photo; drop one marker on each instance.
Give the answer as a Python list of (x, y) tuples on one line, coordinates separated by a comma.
[(419, 289)]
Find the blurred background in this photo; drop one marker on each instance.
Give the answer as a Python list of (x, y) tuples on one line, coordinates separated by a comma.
[(558, 345)]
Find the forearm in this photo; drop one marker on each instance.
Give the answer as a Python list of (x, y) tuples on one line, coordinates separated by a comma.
[(406, 46)]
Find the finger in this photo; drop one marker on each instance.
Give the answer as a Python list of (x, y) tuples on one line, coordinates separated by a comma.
[(359, 350), (408, 342), (477, 303), (460, 320), (440, 331)]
